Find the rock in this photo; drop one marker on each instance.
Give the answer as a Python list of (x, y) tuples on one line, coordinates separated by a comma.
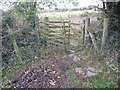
[(58, 77), (90, 73), (93, 70), (53, 72), (71, 55), (52, 82), (72, 51), (73, 42), (76, 58), (78, 70)]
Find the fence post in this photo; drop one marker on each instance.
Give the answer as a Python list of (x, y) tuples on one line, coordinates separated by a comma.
[(0, 44), (64, 36), (69, 33), (46, 19), (83, 32), (46, 33), (87, 24), (105, 32)]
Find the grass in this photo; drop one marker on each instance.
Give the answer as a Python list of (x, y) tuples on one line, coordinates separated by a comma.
[(105, 79), (105, 84), (88, 84), (6, 73), (73, 80), (9, 71)]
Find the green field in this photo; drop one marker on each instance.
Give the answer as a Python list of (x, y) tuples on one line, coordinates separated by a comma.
[(66, 15)]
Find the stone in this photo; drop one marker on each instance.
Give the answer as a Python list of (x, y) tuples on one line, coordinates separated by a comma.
[(78, 70), (91, 73), (76, 58), (72, 51), (71, 55), (93, 70), (73, 42)]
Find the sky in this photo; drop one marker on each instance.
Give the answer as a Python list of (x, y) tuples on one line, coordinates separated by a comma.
[(82, 3), (85, 3)]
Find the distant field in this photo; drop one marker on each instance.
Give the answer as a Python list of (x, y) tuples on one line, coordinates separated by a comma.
[(63, 15)]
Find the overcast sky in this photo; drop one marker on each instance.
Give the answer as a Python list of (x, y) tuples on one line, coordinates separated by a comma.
[(85, 3), (82, 3)]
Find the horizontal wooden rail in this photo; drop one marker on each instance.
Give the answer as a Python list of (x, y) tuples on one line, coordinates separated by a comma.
[(48, 23), (56, 26), (57, 40), (54, 37), (74, 23), (76, 29), (58, 21), (55, 43)]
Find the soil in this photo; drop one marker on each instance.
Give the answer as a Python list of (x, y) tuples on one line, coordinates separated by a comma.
[(53, 73)]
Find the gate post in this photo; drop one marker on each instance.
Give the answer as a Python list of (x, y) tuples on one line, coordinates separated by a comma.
[(83, 32), (46, 33), (105, 32), (87, 24), (64, 36), (69, 27)]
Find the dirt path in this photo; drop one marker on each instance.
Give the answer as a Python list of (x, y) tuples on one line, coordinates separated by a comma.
[(71, 70)]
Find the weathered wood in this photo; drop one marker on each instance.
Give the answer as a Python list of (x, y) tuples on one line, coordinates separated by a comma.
[(0, 43), (93, 40), (46, 25), (83, 33), (87, 24), (69, 27), (57, 40), (58, 26), (74, 23), (64, 36), (56, 43), (55, 26), (105, 32), (55, 37), (76, 29), (58, 21), (46, 19)]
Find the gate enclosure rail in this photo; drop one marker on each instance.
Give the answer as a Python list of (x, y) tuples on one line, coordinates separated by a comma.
[(68, 31), (59, 34)]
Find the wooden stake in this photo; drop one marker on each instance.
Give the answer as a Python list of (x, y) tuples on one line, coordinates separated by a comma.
[(64, 36), (83, 33), (105, 32), (46, 25), (69, 33), (87, 24)]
